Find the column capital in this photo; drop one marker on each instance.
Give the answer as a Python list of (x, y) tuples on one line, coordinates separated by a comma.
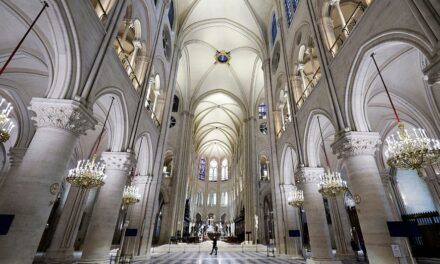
[(122, 161), (349, 144), (308, 175), (69, 115)]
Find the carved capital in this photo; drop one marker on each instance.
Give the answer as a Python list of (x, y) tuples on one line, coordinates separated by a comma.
[(122, 161), (350, 144), (308, 175), (63, 114)]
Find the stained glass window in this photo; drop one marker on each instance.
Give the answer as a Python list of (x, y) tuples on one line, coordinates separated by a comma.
[(262, 111), (202, 171), (274, 28), (213, 170), (225, 170), (290, 6), (171, 14)]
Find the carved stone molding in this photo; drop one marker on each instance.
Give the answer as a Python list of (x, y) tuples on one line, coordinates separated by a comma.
[(64, 114), (308, 175), (351, 144), (122, 161), (16, 155)]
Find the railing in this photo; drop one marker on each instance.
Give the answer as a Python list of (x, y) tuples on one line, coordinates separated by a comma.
[(153, 115), (350, 24), (126, 64), (311, 84)]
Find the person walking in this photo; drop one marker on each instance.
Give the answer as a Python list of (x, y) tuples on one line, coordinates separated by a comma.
[(214, 246)]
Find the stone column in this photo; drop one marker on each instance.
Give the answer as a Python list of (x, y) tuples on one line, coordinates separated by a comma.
[(15, 158), (107, 206), (336, 4), (340, 228), (293, 244), (357, 150), (136, 216), (62, 245), (320, 242), (29, 193)]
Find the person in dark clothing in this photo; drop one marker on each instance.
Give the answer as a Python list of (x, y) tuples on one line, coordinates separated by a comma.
[(355, 248), (214, 246)]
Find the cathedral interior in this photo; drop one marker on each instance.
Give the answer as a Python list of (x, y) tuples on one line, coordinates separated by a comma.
[(290, 131)]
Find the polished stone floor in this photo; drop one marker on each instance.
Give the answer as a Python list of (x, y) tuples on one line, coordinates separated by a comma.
[(221, 258)]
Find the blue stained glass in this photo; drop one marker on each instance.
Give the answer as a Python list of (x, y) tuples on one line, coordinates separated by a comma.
[(171, 14), (290, 6), (222, 58), (274, 28), (202, 172)]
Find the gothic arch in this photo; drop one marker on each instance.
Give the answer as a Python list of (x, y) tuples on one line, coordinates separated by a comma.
[(355, 91), (289, 163), (312, 138), (118, 124)]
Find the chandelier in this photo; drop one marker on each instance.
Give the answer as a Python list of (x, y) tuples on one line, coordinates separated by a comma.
[(296, 197), (89, 173), (6, 124), (409, 150), (331, 183), (131, 195)]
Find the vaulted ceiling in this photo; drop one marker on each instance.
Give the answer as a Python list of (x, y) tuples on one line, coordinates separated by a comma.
[(221, 95)]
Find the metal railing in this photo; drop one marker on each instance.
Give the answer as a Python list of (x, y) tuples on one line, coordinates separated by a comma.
[(126, 64), (350, 24), (311, 84)]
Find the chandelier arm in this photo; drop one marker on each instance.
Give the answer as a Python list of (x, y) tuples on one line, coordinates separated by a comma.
[(386, 89), (323, 144), (103, 127)]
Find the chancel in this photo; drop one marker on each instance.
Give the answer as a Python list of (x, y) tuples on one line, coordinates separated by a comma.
[(268, 131)]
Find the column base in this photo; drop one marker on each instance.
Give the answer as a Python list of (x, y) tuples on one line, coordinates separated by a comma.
[(323, 261)]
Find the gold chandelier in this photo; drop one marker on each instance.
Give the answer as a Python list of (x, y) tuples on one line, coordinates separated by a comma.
[(131, 195), (296, 197), (6, 124), (89, 173), (409, 150), (331, 183)]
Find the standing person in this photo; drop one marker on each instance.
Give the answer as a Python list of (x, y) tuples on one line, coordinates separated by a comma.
[(355, 248), (214, 246)]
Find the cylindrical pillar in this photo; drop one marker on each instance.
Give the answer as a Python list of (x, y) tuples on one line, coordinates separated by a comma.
[(357, 151), (28, 195), (320, 242), (107, 206), (62, 244)]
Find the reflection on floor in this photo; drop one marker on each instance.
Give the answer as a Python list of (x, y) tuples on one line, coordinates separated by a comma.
[(221, 258)]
